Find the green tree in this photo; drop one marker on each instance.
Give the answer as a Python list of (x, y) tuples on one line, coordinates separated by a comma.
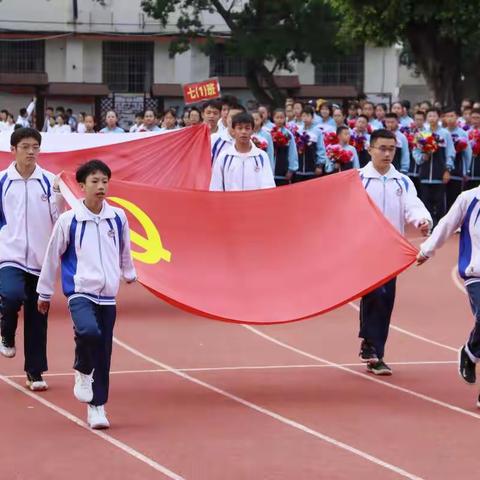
[(441, 36), (268, 35)]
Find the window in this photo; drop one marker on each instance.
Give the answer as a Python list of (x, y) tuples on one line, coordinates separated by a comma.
[(223, 65), (22, 57), (128, 66), (345, 70)]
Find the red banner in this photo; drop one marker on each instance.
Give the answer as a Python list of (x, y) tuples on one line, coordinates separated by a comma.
[(201, 91), (269, 256), (180, 159)]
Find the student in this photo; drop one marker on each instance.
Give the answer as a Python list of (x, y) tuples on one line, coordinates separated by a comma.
[(284, 148), (289, 112), (394, 194), (474, 139), (9, 126), (312, 156), (401, 161), (463, 214), (89, 122), (242, 166), (380, 112), (434, 168), (297, 115), (222, 122), (25, 115), (29, 207), (49, 114), (169, 121), (111, 121), (149, 122), (463, 156), (326, 122), (223, 139), (3, 119), (265, 112), (211, 114), (401, 110), (138, 122), (360, 139), (368, 110), (261, 135), (419, 120), (338, 117), (61, 126), (343, 134), (93, 242), (81, 122), (195, 116)]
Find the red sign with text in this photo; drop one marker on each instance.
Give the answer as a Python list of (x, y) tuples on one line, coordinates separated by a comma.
[(200, 91)]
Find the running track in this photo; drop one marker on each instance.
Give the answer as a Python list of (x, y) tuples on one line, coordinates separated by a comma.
[(198, 399)]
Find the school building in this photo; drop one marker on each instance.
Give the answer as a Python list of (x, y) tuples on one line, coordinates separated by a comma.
[(92, 57)]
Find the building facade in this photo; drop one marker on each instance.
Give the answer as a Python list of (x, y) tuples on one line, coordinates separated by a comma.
[(91, 57)]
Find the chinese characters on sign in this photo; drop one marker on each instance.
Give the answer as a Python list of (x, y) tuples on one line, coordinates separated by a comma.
[(200, 91)]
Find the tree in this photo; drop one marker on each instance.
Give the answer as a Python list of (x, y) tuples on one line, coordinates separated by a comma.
[(441, 36), (269, 35)]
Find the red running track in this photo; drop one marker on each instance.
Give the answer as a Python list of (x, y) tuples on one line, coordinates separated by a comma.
[(198, 399)]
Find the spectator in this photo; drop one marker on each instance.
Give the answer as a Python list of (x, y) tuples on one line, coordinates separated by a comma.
[(111, 120)]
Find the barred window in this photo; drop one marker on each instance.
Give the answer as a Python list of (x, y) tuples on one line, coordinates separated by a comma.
[(344, 70), (22, 57), (223, 65), (128, 66)]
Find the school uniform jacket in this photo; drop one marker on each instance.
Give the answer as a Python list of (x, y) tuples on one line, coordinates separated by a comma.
[(463, 159), (28, 211), (94, 252), (219, 142), (395, 196), (464, 214), (235, 171)]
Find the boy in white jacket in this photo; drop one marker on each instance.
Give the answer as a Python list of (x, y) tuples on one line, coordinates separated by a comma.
[(395, 195), (93, 242), (29, 207), (463, 214), (242, 166)]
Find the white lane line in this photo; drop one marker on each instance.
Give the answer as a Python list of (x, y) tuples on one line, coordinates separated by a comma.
[(254, 367), (101, 434), (366, 376), (411, 334), (269, 413), (457, 281)]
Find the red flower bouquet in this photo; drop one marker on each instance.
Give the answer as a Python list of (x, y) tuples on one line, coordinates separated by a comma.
[(474, 137), (279, 138), (427, 142), (337, 154), (260, 142), (330, 138), (460, 143), (358, 141)]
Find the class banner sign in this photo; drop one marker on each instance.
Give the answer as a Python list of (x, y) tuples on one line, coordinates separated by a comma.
[(201, 91)]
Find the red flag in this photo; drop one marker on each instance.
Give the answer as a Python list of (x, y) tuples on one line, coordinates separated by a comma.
[(267, 256), (178, 159)]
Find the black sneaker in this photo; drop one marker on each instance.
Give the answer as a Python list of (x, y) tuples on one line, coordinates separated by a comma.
[(36, 383), (466, 367), (367, 352), (379, 368)]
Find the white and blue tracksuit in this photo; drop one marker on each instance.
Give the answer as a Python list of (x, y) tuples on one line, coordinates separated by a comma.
[(406, 121), (401, 160), (396, 197), (219, 142), (355, 163), (464, 214), (28, 211), (314, 154), (95, 253)]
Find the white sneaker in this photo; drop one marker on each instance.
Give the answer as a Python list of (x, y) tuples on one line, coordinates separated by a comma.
[(83, 387), (8, 352), (97, 417), (36, 383)]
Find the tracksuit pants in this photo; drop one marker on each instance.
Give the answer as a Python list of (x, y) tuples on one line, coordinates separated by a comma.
[(375, 312), (93, 328), (473, 343), (433, 196), (18, 288)]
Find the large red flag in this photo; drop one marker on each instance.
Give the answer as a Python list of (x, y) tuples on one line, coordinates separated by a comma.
[(268, 256), (178, 159)]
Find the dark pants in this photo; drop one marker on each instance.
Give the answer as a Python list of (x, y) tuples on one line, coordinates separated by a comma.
[(416, 182), (453, 190), (93, 327), (473, 344), (19, 288), (433, 196), (375, 312), (472, 184)]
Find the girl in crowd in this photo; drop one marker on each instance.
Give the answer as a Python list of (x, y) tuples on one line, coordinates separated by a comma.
[(285, 149)]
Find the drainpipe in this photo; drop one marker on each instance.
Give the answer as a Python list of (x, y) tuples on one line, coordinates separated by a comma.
[(75, 11)]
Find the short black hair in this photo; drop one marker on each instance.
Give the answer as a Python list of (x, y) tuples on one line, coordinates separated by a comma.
[(420, 112), (212, 104), (237, 106), (382, 133), (229, 100), (341, 128), (23, 111), (21, 133), (475, 110), (391, 115), (363, 116), (92, 166), (382, 105), (139, 114), (242, 118), (449, 109), (309, 110), (4, 111), (433, 109), (406, 104)]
